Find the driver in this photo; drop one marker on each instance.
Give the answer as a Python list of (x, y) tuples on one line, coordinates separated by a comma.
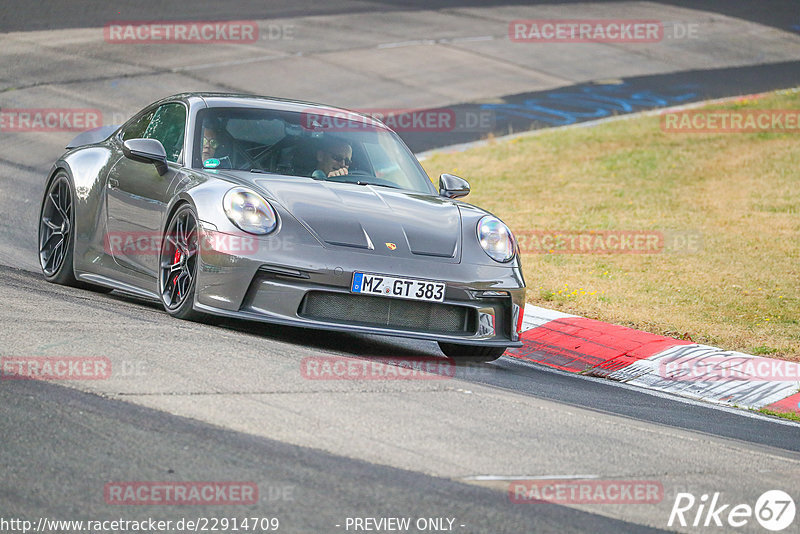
[(210, 158), (333, 158)]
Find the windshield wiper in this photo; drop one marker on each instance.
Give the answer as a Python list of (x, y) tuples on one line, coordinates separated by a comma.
[(380, 185), (260, 171)]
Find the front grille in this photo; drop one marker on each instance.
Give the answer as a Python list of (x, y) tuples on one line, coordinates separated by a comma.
[(387, 312)]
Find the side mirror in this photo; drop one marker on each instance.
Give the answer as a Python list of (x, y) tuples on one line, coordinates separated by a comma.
[(147, 151), (451, 186)]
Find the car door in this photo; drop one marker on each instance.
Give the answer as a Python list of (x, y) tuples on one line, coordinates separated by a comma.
[(137, 195)]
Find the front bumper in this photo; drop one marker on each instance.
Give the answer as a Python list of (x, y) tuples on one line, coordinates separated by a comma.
[(301, 283)]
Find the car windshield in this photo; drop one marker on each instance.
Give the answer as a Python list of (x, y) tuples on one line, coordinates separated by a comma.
[(331, 146)]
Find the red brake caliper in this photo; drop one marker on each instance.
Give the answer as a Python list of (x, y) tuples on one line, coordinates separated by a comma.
[(175, 260)]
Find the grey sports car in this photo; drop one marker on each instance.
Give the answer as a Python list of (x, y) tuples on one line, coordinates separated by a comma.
[(285, 212)]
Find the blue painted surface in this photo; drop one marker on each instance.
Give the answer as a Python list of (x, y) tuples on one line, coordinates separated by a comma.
[(589, 103)]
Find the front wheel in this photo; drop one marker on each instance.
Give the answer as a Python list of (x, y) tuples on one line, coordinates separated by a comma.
[(471, 353), (177, 271), (57, 233)]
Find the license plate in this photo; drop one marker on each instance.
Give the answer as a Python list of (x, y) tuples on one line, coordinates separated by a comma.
[(396, 287)]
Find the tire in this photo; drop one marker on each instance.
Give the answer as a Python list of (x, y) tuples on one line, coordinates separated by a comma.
[(57, 232), (177, 272), (471, 353)]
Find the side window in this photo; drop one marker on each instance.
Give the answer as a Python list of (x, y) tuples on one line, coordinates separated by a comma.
[(136, 129), (168, 126)]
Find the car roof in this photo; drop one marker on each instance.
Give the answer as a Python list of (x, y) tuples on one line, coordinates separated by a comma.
[(219, 99)]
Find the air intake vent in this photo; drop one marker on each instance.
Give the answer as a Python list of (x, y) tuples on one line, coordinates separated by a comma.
[(399, 314)]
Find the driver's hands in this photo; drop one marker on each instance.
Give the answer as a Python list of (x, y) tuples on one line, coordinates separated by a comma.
[(338, 172)]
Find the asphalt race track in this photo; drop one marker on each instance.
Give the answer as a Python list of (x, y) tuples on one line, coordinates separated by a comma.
[(230, 401)]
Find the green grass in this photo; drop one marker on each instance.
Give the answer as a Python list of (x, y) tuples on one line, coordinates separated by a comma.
[(740, 193), (786, 415)]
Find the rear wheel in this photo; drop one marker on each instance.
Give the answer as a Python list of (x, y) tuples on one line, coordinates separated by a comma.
[(56, 232), (471, 353), (178, 265)]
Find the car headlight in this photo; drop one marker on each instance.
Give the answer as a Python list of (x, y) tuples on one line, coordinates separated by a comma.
[(249, 211), (496, 239)]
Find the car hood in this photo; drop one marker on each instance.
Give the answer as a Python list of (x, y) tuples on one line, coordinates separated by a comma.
[(385, 221)]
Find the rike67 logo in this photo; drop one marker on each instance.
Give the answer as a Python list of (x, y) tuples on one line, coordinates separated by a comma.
[(774, 510)]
